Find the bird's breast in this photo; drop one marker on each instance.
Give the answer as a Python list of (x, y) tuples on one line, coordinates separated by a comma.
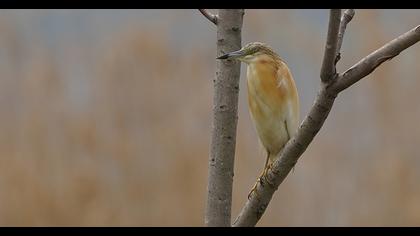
[(267, 100), (266, 91)]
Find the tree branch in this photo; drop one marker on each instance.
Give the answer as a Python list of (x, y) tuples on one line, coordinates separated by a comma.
[(328, 64), (345, 19), (225, 118), (368, 64), (209, 16), (257, 203)]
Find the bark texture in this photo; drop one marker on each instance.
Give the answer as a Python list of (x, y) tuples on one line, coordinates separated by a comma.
[(225, 117), (328, 64)]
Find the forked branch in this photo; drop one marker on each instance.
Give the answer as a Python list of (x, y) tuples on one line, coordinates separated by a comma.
[(257, 203)]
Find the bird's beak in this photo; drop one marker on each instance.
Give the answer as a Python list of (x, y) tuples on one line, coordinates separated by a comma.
[(235, 54)]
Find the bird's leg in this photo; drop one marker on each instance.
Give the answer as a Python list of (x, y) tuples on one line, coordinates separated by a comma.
[(259, 180), (268, 165), (254, 188), (264, 173)]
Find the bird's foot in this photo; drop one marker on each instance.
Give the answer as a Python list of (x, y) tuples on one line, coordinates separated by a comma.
[(253, 190), (265, 175)]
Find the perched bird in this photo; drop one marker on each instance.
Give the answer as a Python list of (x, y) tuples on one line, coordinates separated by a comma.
[(272, 98)]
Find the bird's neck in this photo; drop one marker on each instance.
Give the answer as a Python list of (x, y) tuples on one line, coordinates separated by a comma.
[(265, 62)]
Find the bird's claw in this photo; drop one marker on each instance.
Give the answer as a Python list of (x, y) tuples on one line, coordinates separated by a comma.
[(262, 180), (265, 175), (255, 188), (250, 193)]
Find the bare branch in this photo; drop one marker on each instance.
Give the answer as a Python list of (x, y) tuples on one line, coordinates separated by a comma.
[(256, 205), (225, 119), (368, 64), (209, 16), (345, 19), (328, 64)]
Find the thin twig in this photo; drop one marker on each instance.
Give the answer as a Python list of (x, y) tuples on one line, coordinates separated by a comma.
[(328, 64), (345, 19), (211, 17)]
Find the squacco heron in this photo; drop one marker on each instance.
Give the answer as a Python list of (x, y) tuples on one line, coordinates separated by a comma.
[(272, 99)]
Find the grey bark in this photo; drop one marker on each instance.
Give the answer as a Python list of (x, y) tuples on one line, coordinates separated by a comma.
[(345, 19), (256, 205), (328, 64), (225, 117)]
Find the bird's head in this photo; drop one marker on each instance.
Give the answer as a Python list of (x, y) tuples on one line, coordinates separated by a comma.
[(252, 52)]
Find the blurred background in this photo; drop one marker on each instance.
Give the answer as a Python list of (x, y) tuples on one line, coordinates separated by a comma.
[(106, 119)]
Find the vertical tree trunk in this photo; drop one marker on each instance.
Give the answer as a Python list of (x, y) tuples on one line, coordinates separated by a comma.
[(225, 117)]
